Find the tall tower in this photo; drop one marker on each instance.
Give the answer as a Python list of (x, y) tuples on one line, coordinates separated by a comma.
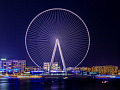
[(57, 43)]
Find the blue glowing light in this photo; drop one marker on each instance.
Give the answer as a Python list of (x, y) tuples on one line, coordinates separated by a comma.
[(57, 71), (37, 71), (117, 77), (15, 69), (3, 70), (9, 70), (73, 71), (6, 76), (106, 76)]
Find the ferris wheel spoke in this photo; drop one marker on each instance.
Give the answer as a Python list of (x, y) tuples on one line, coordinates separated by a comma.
[(60, 24)]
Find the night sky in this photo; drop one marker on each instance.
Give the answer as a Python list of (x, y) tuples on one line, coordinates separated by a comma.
[(101, 17)]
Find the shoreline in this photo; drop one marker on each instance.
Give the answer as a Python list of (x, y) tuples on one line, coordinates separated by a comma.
[(63, 76)]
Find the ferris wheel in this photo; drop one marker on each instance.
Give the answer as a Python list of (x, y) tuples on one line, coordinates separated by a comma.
[(63, 26)]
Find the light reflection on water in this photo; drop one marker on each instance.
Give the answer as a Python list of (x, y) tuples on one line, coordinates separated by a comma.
[(4, 84), (30, 84), (56, 84)]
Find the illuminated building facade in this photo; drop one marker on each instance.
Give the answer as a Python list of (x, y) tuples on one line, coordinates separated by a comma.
[(32, 68), (70, 68), (13, 66), (86, 69), (54, 66), (59, 69), (36, 68), (22, 65), (19, 64), (7, 64), (118, 71), (105, 70), (46, 66), (28, 69)]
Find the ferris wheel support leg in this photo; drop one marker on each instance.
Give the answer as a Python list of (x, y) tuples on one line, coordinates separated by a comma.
[(63, 62), (53, 55)]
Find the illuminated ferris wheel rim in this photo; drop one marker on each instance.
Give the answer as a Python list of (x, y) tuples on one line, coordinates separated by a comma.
[(51, 10)]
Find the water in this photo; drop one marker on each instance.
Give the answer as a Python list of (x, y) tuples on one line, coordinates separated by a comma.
[(58, 84)]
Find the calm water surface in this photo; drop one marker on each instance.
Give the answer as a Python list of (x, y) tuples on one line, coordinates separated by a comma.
[(58, 84)]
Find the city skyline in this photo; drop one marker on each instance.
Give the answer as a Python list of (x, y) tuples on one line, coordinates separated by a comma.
[(59, 44), (18, 67), (102, 24)]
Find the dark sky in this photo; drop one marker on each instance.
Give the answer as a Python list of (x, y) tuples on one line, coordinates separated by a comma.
[(101, 17)]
